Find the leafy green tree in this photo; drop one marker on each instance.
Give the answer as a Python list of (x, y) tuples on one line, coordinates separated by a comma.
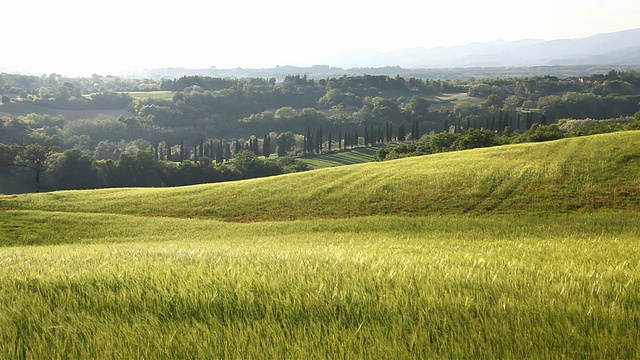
[(248, 165), (538, 133), (36, 155), (141, 169), (7, 156), (384, 110), (418, 108), (74, 169), (443, 141), (475, 138)]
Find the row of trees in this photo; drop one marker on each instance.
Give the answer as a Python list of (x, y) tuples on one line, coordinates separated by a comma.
[(28, 163), (217, 119), (478, 138)]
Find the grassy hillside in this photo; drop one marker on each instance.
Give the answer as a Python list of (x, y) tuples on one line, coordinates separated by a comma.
[(585, 173), (500, 286), (497, 265)]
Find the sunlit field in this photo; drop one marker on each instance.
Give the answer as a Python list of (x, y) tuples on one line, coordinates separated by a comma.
[(527, 251), (500, 286)]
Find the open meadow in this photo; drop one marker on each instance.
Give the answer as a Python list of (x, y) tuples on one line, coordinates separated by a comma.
[(522, 251)]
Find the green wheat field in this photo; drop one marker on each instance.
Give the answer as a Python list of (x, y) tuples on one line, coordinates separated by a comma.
[(522, 251)]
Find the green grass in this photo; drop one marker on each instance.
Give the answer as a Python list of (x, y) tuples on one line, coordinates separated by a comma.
[(584, 174), (345, 157), (24, 108), (158, 95), (525, 251), (391, 287)]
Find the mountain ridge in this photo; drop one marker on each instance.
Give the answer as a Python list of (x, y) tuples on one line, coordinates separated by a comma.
[(524, 52)]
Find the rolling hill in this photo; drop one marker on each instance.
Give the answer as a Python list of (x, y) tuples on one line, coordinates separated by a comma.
[(543, 263), (585, 173)]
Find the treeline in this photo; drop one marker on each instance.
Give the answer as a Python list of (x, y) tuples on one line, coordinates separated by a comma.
[(28, 87), (471, 138), (216, 118), (39, 166)]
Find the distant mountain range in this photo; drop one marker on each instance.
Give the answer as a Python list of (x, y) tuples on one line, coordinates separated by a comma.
[(529, 57), (619, 48)]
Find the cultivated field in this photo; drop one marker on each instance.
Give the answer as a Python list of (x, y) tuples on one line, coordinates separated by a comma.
[(26, 108), (346, 157), (525, 251)]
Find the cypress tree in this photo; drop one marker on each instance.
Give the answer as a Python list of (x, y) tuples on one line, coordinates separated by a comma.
[(282, 148), (168, 151), (518, 128), (319, 141), (366, 135), (266, 146), (340, 140), (329, 140), (219, 154), (309, 146), (529, 120), (201, 150), (227, 151), (401, 133)]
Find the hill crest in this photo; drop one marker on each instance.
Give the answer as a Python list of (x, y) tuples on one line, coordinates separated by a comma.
[(575, 174)]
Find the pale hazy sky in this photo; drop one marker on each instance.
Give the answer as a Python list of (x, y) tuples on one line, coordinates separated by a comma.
[(75, 37)]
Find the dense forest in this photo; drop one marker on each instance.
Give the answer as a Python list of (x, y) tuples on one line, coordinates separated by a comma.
[(197, 129)]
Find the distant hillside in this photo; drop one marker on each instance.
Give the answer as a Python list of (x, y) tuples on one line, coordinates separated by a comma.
[(611, 48), (583, 173), (527, 57)]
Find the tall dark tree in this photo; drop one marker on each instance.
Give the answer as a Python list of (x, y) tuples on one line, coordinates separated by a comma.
[(318, 141), (74, 170), (366, 136), (36, 155), (219, 153), (401, 133), (415, 130), (266, 145)]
